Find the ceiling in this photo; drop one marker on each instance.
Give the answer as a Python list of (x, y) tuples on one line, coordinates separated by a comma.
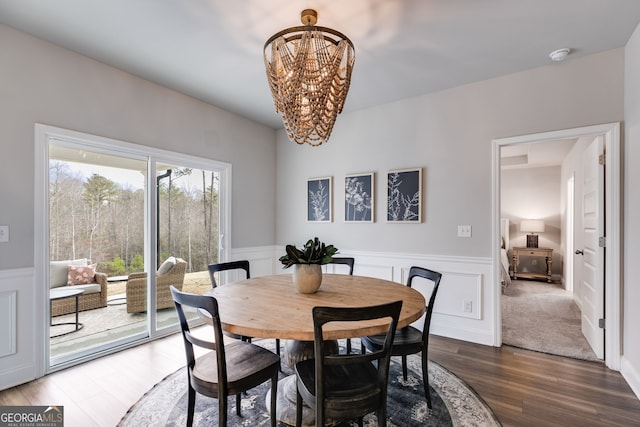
[(212, 49), (535, 154)]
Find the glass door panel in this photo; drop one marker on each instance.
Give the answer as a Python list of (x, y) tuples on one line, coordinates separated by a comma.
[(97, 225), (188, 233)]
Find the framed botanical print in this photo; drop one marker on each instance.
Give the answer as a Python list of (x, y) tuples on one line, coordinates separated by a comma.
[(404, 195), (319, 199), (359, 198)]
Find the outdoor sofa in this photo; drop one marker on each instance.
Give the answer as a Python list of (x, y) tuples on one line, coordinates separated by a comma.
[(61, 274)]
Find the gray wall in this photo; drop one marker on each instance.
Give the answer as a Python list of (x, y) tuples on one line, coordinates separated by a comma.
[(40, 82), (631, 283), (449, 134)]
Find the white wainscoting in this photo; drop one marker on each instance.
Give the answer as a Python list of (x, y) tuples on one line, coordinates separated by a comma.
[(17, 327), (464, 279), (8, 323)]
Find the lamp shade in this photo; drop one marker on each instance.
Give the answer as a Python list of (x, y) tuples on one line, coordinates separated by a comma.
[(532, 226)]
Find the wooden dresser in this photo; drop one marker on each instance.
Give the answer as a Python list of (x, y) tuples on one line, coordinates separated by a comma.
[(547, 253)]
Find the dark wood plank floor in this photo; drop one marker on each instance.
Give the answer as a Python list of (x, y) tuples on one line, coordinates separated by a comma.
[(524, 388)]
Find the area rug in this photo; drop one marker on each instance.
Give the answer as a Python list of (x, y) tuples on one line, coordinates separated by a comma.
[(454, 402), (543, 317)]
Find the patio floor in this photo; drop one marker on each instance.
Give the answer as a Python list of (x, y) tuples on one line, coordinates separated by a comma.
[(112, 322)]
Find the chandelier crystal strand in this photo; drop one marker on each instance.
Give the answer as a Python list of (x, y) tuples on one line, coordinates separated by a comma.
[(309, 73)]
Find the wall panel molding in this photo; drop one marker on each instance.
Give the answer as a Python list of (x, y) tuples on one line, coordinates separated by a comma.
[(17, 327), (8, 323), (466, 282)]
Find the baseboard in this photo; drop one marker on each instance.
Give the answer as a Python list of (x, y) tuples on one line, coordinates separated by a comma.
[(476, 336), (16, 375), (631, 375)]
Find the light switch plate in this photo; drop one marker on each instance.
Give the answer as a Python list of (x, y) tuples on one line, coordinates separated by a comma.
[(4, 233)]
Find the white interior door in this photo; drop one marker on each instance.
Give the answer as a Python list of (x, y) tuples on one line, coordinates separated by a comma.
[(592, 260)]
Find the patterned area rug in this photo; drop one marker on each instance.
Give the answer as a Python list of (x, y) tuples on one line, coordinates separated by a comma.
[(454, 402)]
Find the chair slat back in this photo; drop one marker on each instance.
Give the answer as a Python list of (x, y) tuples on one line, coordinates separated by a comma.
[(210, 305), (344, 261), (224, 266), (324, 315), (435, 277)]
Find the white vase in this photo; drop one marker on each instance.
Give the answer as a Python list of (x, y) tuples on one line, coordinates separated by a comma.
[(307, 278)]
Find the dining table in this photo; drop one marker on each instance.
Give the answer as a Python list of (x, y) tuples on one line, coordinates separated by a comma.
[(270, 307)]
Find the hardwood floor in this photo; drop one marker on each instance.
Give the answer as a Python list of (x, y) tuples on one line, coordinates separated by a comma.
[(524, 388)]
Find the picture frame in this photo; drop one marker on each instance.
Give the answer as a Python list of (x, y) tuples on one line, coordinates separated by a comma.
[(319, 199), (404, 195), (359, 197)]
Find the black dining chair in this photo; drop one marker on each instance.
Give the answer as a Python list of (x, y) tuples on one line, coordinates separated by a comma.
[(225, 266), (346, 386), (350, 263), (411, 340), (224, 370), (345, 261), (234, 265)]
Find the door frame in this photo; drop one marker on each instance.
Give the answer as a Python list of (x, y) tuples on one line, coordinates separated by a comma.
[(45, 134), (613, 223)]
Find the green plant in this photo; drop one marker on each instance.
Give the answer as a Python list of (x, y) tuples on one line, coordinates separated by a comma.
[(313, 252)]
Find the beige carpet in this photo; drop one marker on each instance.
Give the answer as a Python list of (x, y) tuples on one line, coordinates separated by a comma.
[(543, 317)]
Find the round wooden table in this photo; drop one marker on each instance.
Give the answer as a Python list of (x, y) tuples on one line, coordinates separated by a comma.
[(270, 307)]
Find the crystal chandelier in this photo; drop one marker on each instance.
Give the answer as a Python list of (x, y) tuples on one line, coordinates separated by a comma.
[(309, 72)]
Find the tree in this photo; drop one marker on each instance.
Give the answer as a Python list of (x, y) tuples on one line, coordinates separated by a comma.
[(98, 192)]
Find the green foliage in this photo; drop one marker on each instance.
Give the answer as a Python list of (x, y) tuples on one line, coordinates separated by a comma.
[(116, 267), (313, 252), (137, 264), (97, 218), (99, 190)]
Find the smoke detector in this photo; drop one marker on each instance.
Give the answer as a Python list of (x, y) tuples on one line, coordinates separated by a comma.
[(560, 54)]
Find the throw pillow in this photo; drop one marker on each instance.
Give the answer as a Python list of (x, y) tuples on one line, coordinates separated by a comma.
[(166, 266), (81, 274), (59, 271)]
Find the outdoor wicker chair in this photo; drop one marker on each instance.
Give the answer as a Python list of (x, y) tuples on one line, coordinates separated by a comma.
[(136, 288)]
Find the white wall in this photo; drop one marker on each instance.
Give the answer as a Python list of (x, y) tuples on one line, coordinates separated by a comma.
[(631, 283), (449, 134), (40, 82)]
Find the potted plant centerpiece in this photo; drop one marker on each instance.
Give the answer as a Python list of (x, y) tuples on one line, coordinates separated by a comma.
[(307, 273)]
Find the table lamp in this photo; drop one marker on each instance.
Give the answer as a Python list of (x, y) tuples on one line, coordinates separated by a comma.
[(532, 226)]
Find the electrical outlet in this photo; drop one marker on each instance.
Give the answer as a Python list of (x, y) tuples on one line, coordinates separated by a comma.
[(464, 231), (467, 306), (4, 233)]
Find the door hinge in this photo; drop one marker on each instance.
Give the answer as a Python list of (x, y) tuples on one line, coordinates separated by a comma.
[(601, 323), (602, 159), (602, 242)]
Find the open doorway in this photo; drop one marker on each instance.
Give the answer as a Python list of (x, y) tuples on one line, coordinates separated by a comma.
[(610, 285), (539, 310)]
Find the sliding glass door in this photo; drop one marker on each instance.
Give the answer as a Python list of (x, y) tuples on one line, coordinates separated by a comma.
[(124, 224), (188, 233)]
